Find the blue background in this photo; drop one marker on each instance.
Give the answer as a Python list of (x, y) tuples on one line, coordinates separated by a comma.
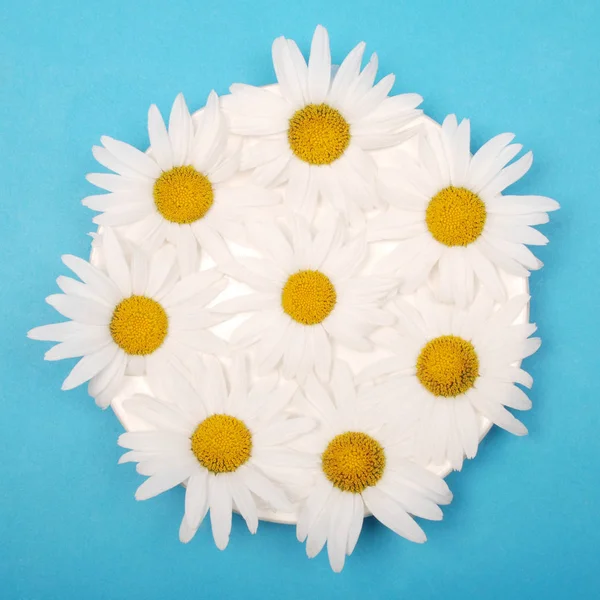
[(524, 523)]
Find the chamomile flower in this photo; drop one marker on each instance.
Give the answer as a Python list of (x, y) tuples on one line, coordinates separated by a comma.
[(132, 318), (316, 132), (308, 294), (177, 191), (452, 220), (218, 440), (361, 462), (452, 367)]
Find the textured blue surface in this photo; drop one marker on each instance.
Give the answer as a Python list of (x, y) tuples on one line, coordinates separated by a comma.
[(524, 523)]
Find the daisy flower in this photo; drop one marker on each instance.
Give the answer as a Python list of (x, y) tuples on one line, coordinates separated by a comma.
[(130, 319), (361, 462), (451, 218), (315, 133), (308, 293), (176, 191), (452, 368), (218, 440)]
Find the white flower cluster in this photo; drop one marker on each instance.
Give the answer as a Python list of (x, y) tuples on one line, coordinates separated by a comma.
[(315, 290)]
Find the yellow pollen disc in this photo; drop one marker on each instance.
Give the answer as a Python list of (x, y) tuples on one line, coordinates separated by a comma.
[(222, 443), (448, 366), (318, 134), (456, 216), (139, 325), (308, 297), (353, 461), (182, 195)]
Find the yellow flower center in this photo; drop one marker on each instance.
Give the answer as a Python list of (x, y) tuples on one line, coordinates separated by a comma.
[(456, 216), (182, 195), (308, 297), (139, 325), (448, 366), (353, 461), (318, 134), (222, 443)]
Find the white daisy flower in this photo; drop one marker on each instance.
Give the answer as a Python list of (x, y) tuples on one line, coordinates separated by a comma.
[(308, 293), (130, 319), (361, 463), (176, 191), (451, 218), (317, 130), (218, 442), (452, 368)]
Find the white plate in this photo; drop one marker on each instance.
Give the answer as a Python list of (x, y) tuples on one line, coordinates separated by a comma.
[(383, 158)]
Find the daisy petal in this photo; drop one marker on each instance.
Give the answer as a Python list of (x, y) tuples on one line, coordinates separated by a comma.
[(386, 511), (319, 66), (160, 143), (89, 366)]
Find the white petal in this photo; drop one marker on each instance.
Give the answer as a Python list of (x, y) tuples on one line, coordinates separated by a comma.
[(158, 414), (80, 345), (317, 534), (413, 501), (386, 511), (97, 280), (156, 442), (131, 157), (210, 139), (160, 143), (262, 487), (346, 74), (339, 530), (508, 176), (212, 242), (319, 66), (244, 502), (112, 183), (496, 413), (140, 269), (116, 265), (486, 272), (295, 348), (57, 332), (322, 351), (268, 174), (186, 532), (103, 386), (262, 152), (161, 482), (520, 205), (187, 250), (358, 515), (246, 303), (287, 76), (302, 189), (312, 507), (342, 384), (80, 309), (161, 265), (485, 156), (89, 366), (123, 215), (224, 170), (181, 130), (71, 287), (108, 160), (462, 153), (467, 425), (373, 98), (284, 432), (196, 498)]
